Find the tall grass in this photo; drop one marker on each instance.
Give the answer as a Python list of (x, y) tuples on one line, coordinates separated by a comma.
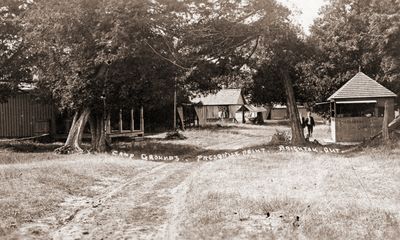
[(296, 196), (26, 151), (32, 190)]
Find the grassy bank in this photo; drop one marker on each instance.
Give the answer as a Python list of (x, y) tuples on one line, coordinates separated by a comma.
[(296, 196), (37, 187)]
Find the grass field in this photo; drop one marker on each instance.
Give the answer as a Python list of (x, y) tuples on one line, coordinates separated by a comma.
[(300, 196), (272, 195)]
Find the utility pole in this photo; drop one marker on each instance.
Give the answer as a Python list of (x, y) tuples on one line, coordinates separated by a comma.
[(104, 98), (174, 105)]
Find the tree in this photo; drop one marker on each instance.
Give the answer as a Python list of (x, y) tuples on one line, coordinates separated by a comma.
[(353, 34), (89, 50), (385, 31), (247, 35)]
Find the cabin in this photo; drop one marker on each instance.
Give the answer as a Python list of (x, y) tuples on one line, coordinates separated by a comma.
[(280, 112), (357, 109), (219, 106), (23, 116), (250, 113)]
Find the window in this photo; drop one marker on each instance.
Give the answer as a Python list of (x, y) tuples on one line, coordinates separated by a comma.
[(355, 110), (223, 112)]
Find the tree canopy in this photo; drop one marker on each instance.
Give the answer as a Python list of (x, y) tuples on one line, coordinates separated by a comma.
[(129, 52), (350, 35), (15, 65)]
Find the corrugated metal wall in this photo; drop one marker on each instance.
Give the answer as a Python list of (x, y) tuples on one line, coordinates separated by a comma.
[(21, 116)]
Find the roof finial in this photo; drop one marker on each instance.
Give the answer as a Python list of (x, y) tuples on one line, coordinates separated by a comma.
[(359, 68)]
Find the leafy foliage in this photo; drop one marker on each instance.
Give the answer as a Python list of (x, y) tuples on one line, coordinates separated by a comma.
[(144, 46), (353, 34), (89, 49), (15, 66), (124, 53)]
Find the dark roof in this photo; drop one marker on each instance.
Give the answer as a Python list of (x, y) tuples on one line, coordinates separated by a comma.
[(362, 86), (252, 108), (222, 97)]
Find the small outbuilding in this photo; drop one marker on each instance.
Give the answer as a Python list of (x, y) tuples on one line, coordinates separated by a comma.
[(280, 112), (358, 107), (23, 116), (250, 113), (219, 106)]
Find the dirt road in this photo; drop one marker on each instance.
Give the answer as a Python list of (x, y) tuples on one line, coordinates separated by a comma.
[(146, 206)]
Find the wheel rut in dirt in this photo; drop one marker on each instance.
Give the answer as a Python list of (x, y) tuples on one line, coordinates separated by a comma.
[(138, 209)]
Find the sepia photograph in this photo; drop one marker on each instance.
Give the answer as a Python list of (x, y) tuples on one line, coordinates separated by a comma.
[(199, 119)]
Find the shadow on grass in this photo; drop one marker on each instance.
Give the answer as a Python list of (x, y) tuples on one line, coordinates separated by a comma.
[(188, 152), (29, 146)]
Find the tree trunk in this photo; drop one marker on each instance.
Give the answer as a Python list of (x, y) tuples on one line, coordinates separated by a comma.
[(69, 138), (100, 142), (297, 130), (93, 131), (74, 139)]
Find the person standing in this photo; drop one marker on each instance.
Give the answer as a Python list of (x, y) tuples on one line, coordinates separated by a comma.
[(310, 124)]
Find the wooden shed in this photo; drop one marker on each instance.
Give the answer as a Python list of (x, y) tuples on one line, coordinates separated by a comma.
[(280, 112), (221, 105), (357, 109), (23, 116), (250, 113)]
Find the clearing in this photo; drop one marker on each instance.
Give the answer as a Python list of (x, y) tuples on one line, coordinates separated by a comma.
[(264, 195)]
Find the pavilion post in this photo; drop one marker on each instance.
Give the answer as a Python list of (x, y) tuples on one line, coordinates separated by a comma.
[(334, 109), (243, 117), (120, 121), (108, 124), (141, 119), (385, 129), (132, 120)]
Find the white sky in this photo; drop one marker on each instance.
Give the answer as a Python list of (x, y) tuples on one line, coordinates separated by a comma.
[(308, 8)]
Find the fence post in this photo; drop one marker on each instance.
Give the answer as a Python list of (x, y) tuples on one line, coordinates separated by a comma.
[(385, 130), (120, 121), (132, 120), (141, 119)]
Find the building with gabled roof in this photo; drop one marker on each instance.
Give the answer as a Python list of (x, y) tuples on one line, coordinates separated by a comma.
[(252, 113), (357, 109), (222, 97), (221, 105)]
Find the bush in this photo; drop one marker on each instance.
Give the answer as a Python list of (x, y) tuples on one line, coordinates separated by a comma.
[(281, 137), (175, 136)]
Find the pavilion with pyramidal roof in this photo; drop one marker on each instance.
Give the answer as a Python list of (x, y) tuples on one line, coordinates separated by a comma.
[(357, 109)]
